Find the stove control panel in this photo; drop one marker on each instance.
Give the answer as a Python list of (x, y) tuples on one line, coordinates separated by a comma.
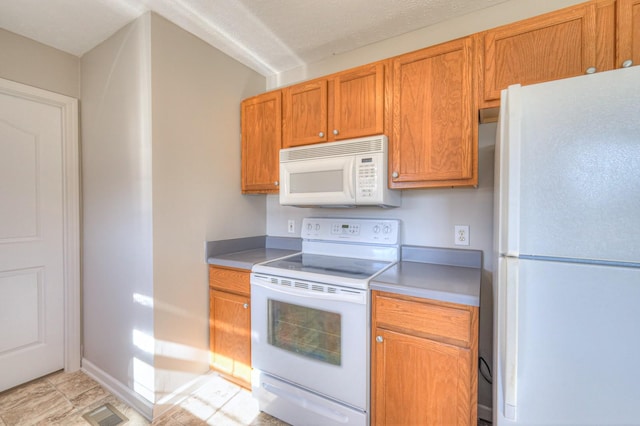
[(375, 231)]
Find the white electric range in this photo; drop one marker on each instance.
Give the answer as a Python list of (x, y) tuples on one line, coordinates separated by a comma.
[(311, 321)]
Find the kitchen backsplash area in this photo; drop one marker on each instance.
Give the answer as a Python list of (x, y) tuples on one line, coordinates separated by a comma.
[(428, 218)]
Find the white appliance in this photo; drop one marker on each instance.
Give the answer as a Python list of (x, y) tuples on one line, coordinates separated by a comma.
[(337, 174), (567, 243), (310, 320)]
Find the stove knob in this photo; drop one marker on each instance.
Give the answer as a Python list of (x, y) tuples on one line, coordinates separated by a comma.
[(386, 229), (376, 229), (309, 227), (317, 226)]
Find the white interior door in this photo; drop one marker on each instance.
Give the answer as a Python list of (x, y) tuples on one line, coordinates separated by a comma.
[(33, 238)]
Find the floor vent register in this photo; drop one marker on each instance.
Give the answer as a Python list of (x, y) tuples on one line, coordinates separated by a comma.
[(105, 415)]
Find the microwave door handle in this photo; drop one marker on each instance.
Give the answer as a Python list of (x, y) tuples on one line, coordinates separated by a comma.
[(352, 181)]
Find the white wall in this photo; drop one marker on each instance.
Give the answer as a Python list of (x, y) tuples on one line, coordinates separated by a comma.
[(196, 189), (117, 226), (29, 62)]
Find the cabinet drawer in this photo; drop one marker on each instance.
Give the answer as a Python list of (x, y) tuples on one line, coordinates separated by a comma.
[(424, 317), (233, 280)]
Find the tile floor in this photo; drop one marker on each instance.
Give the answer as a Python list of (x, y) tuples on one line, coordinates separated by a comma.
[(63, 398)]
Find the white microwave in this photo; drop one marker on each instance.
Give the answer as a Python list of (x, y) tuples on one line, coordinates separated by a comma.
[(337, 174)]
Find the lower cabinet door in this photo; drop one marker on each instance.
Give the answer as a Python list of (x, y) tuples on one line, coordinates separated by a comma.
[(230, 336), (417, 381)]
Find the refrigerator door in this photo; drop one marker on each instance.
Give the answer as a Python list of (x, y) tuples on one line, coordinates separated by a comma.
[(577, 345), (573, 167)]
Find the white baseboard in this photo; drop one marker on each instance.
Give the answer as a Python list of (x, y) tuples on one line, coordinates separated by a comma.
[(127, 395), (485, 413)]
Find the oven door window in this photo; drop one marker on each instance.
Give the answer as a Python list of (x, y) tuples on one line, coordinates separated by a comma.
[(312, 333)]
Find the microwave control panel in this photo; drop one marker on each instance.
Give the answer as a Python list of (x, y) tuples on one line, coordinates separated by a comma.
[(366, 175), (377, 231)]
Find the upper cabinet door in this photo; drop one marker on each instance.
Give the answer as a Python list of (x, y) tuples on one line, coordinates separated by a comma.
[(434, 138), (556, 45), (261, 142), (628, 33), (359, 102), (305, 113)]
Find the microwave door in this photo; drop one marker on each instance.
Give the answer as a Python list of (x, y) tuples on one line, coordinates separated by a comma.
[(317, 182)]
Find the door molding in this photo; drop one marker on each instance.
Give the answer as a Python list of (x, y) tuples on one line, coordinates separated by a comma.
[(71, 210)]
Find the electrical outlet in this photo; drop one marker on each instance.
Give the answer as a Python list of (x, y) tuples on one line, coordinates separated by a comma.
[(291, 226), (461, 237)]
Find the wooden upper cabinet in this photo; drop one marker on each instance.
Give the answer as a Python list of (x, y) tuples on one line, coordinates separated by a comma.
[(548, 47), (261, 118), (345, 105), (305, 113), (628, 40), (434, 135), (358, 102)]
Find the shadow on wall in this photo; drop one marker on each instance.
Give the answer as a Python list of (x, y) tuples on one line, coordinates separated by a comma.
[(485, 348)]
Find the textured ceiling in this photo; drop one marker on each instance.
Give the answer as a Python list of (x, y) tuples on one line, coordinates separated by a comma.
[(269, 36)]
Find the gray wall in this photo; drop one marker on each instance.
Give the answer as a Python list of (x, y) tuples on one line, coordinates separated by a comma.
[(117, 208), (196, 189), (161, 166), (29, 62)]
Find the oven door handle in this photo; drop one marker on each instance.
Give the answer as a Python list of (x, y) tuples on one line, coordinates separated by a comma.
[(307, 404), (351, 296)]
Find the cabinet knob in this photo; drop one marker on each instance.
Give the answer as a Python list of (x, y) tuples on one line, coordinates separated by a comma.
[(276, 183), (394, 175), (335, 131), (627, 63), (321, 134), (591, 70), (379, 339), (246, 306)]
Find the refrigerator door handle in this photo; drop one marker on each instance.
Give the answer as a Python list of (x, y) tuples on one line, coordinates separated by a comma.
[(511, 176), (511, 339)]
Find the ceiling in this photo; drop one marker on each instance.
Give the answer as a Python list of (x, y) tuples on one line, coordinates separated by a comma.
[(270, 36)]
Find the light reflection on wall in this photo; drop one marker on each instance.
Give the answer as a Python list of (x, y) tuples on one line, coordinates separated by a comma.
[(143, 379)]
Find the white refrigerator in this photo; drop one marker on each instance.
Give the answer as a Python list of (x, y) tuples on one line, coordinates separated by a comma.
[(567, 252)]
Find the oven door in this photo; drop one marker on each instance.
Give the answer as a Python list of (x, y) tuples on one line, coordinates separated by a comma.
[(312, 335)]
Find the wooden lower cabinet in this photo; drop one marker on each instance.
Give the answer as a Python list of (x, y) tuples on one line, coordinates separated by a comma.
[(424, 362), (230, 324)]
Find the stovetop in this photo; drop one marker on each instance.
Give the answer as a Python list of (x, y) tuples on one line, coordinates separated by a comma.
[(347, 252)]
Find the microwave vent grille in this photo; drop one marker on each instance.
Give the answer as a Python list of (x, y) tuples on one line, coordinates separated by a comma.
[(333, 149)]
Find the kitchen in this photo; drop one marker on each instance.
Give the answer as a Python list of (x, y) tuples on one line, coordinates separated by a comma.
[(163, 254)]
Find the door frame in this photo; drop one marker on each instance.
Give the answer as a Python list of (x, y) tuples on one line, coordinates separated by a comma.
[(71, 210)]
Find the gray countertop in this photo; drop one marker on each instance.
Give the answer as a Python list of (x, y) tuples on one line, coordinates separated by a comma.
[(448, 275), (456, 284), (247, 258), (243, 253)]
